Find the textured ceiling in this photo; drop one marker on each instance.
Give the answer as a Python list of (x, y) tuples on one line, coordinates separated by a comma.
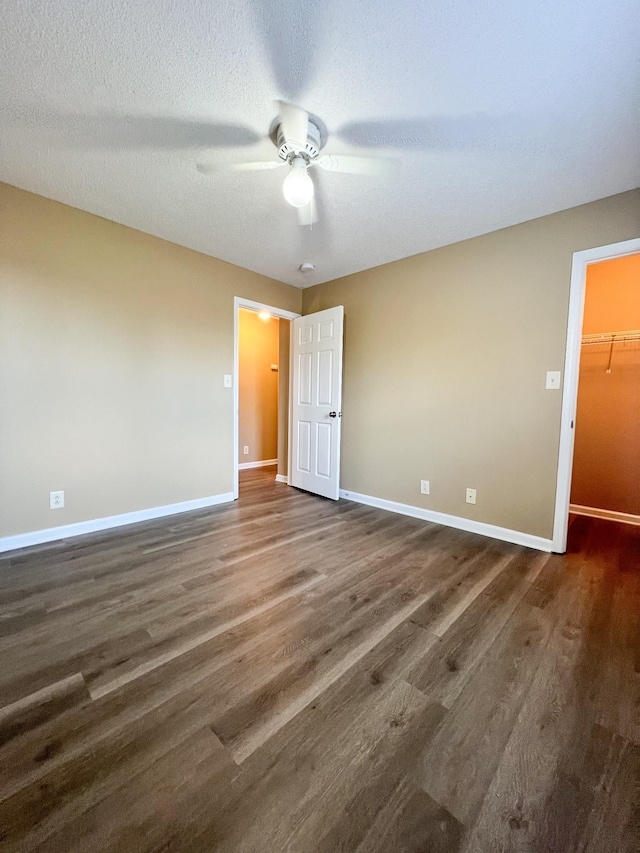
[(498, 111)]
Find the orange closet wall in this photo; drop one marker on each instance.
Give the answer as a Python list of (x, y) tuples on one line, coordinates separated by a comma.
[(606, 464), (259, 343)]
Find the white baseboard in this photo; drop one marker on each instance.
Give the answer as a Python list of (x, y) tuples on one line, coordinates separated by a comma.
[(263, 463), (503, 533), (608, 514), (66, 531), (282, 478)]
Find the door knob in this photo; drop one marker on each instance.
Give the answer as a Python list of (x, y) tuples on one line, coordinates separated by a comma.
[(333, 414)]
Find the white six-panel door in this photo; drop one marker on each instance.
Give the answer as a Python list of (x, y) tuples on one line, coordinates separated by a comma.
[(317, 400)]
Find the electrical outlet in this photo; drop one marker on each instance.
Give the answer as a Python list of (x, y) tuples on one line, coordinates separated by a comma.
[(424, 487), (245, 450), (471, 496), (56, 500)]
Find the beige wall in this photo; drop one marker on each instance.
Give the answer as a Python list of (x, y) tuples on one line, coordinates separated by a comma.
[(259, 342), (283, 398), (606, 460), (445, 361), (113, 346)]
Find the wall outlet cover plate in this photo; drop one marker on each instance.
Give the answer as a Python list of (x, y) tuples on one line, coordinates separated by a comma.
[(56, 500)]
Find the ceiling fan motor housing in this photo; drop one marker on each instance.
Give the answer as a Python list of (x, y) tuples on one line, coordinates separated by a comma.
[(311, 149)]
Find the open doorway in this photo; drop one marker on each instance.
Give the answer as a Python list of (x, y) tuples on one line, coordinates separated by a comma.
[(582, 262), (606, 457), (263, 379), (258, 371), (261, 395)]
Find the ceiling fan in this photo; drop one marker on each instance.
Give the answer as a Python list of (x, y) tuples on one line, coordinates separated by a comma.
[(299, 142), (297, 136)]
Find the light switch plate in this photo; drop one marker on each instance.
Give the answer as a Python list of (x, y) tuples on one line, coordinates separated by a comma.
[(553, 380), (227, 380)]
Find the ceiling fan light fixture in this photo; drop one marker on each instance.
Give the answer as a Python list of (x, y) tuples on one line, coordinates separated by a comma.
[(298, 186)]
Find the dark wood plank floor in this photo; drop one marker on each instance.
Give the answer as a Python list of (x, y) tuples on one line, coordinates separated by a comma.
[(291, 674)]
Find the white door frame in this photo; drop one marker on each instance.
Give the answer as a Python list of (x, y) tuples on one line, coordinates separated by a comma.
[(238, 303), (581, 261)]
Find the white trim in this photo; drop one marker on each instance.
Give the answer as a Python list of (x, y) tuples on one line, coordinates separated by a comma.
[(241, 302), (66, 531), (503, 533), (608, 514), (581, 260), (282, 478), (238, 303), (263, 463)]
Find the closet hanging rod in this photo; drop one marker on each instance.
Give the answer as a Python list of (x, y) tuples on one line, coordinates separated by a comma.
[(612, 337)]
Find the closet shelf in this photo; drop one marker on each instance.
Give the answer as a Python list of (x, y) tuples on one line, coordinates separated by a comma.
[(611, 337)]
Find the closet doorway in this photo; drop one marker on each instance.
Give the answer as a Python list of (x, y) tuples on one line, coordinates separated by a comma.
[(610, 447), (258, 388), (261, 389), (606, 456)]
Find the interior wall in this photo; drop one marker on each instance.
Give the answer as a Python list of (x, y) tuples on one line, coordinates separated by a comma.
[(284, 331), (113, 347), (445, 360), (606, 461), (258, 345)]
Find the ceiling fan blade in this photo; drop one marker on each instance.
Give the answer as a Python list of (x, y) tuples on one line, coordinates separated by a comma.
[(210, 168), (470, 131), (118, 131), (295, 123), (292, 35), (176, 133), (308, 215), (253, 167), (353, 165)]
